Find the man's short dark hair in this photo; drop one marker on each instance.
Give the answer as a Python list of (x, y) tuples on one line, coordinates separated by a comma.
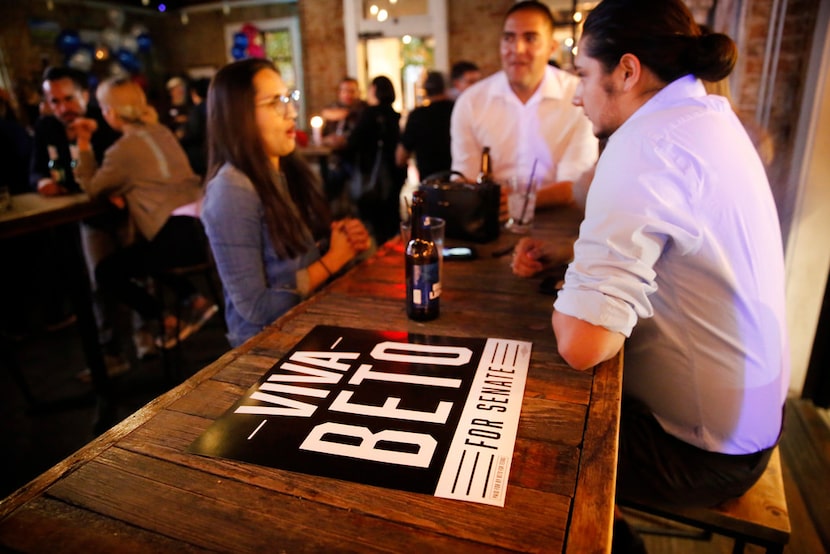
[(434, 84), (56, 73), (533, 5), (460, 68)]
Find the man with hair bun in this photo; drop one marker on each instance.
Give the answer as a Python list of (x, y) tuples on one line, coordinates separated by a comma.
[(679, 256)]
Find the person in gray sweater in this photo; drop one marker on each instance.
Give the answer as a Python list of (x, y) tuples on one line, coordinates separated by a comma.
[(148, 169)]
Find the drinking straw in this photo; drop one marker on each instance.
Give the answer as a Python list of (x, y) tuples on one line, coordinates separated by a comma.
[(527, 191)]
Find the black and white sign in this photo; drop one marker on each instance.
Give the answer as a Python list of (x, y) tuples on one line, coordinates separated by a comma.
[(428, 414)]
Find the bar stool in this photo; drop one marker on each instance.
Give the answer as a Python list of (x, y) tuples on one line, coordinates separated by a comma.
[(205, 271)]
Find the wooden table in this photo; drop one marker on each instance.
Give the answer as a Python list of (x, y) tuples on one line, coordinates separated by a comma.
[(32, 212), (136, 488)]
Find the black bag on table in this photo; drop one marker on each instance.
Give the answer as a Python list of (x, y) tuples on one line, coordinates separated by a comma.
[(470, 210)]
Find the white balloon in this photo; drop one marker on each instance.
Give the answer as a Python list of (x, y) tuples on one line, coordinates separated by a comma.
[(116, 17), (111, 38), (117, 70), (81, 59), (138, 30), (130, 43)]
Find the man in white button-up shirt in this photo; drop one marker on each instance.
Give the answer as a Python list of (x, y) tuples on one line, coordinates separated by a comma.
[(525, 115), (680, 251)]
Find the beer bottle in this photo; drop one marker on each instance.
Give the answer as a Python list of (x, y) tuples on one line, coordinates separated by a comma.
[(56, 170), (486, 173), (423, 286)]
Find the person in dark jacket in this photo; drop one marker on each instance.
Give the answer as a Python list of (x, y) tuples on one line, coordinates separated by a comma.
[(427, 132), (376, 186)]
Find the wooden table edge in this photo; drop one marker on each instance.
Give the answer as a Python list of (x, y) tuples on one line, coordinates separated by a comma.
[(600, 445), (91, 450)]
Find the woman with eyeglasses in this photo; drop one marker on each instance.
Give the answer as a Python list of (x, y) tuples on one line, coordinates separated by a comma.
[(267, 221)]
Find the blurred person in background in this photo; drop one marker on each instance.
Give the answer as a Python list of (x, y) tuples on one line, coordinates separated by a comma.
[(463, 75), (149, 169), (66, 98), (194, 140), (339, 119), (427, 131), (376, 183)]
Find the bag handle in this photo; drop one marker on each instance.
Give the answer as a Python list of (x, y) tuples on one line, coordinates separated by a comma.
[(442, 177)]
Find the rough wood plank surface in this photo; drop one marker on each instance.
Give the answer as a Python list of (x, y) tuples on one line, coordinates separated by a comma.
[(355, 513), (593, 512)]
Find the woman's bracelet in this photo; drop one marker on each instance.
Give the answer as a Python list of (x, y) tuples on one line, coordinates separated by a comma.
[(325, 267)]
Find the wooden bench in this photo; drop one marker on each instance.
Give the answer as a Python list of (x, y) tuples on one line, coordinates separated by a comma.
[(758, 517)]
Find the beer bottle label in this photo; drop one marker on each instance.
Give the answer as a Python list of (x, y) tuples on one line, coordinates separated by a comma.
[(426, 288)]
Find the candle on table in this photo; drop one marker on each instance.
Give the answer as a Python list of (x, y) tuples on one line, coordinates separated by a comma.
[(317, 130)]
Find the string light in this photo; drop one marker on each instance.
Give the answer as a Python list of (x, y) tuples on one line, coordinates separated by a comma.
[(383, 15)]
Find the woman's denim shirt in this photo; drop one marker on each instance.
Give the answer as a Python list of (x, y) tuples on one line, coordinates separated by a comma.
[(259, 286)]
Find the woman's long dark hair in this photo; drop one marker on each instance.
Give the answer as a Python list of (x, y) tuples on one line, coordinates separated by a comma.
[(233, 138), (662, 34)]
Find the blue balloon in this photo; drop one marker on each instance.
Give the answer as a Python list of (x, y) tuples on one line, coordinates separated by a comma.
[(127, 60), (238, 52), (240, 39), (68, 42), (144, 42)]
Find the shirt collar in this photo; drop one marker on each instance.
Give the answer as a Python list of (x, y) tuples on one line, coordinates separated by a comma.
[(687, 86)]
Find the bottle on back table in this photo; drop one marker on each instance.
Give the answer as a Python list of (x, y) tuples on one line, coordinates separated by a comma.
[(56, 169), (486, 173)]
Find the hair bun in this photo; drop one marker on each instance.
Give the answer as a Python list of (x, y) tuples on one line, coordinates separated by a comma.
[(715, 56)]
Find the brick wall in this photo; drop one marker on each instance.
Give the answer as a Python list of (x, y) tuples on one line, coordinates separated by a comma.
[(475, 30)]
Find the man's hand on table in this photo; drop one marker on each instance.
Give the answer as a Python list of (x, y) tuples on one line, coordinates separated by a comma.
[(532, 256)]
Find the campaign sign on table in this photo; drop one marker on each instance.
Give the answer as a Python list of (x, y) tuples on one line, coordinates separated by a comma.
[(428, 414)]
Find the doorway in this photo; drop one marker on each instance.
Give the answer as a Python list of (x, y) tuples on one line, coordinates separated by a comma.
[(404, 60)]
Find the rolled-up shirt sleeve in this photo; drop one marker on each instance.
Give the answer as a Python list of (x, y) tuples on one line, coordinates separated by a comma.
[(633, 215)]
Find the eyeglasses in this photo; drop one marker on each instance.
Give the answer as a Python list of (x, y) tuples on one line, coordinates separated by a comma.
[(280, 104)]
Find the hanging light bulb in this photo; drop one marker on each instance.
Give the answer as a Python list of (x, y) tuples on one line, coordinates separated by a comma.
[(50, 5), (577, 17), (373, 9), (185, 18), (145, 2), (383, 15)]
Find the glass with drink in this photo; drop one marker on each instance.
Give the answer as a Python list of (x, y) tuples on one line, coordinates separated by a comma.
[(521, 204)]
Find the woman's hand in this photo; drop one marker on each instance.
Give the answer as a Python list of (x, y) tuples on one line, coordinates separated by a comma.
[(356, 233), (341, 248), (82, 129)]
